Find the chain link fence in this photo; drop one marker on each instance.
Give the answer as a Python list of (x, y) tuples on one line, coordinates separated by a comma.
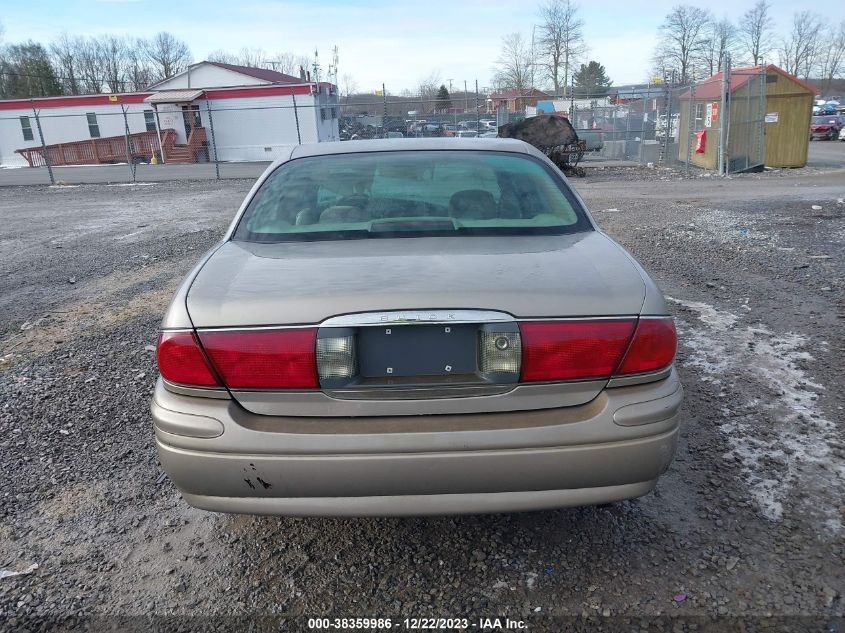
[(714, 125), (127, 141)]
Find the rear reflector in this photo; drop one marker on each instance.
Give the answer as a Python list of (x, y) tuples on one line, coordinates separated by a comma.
[(652, 348), (181, 360), (573, 350), (263, 359)]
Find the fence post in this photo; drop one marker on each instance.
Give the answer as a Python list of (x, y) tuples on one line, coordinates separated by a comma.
[(723, 106), (213, 143), (761, 130), (43, 146), (477, 108), (129, 160), (384, 116), (296, 118), (690, 124)]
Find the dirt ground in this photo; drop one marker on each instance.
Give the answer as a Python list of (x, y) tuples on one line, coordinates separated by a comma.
[(744, 533)]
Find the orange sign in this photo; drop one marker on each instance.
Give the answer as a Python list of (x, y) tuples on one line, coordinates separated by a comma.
[(714, 117)]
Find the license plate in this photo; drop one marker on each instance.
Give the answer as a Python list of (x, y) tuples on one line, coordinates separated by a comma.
[(417, 350)]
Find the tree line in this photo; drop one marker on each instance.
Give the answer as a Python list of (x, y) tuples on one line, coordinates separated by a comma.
[(691, 45), (74, 65), (554, 57)]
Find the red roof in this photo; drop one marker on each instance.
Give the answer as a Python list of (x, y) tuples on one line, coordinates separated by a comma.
[(711, 88), (235, 92), (260, 73)]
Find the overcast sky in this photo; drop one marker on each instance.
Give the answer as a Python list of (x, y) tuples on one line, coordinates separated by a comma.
[(397, 42)]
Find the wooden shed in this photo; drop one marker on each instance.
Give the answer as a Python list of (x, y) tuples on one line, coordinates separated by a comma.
[(783, 117)]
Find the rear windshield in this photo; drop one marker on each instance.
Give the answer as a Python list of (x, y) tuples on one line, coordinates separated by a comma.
[(410, 194)]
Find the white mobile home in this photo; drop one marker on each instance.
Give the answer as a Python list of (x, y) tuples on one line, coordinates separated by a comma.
[(248, 115)]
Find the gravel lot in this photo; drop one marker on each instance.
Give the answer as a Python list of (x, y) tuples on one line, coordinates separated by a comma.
[(746, 530)]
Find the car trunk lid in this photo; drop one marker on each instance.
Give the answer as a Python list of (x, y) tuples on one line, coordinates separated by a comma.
[(249, 284)]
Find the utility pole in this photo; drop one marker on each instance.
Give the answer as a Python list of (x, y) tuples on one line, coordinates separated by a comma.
[(450, 103), (316, 66)]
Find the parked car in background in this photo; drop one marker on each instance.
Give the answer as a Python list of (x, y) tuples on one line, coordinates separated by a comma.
[(470, 125), (465, 134), (826, 127), (419, 326), (433, 128)]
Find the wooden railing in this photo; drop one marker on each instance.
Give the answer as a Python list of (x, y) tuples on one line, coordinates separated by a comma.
[(111, 149)]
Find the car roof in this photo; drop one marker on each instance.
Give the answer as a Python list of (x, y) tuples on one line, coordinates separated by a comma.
[(406, 144)]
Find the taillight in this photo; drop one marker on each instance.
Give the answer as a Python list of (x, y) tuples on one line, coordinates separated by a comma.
[(263, 359), (653, 346), (571, 350), (181, 360)]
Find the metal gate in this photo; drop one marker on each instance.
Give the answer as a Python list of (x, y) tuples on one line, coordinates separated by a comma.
[(746, 146)]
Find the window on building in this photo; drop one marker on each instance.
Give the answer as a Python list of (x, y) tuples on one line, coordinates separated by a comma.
[(150, 120), (93, 126), (26, 128), (699, 116)]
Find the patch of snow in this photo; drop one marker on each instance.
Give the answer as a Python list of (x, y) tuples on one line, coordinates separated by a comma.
[(8, 573), (717, 319), (781, 439), (131, 184)]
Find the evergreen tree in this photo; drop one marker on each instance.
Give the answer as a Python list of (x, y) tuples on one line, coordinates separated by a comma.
[(591, 80), (443, 100), (27, 72)]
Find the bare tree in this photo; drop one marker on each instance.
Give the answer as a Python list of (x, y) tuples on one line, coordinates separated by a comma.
[(682, 40), (514, 65), (561, 40), (348, 85), (90, 66), (427, 88), (756, 31), (832, 57), (168, 55), (720, 41), (284, 62), (799, 51), (65, 52), (112, 53), (138, 72), (252, 57), (221, 56)]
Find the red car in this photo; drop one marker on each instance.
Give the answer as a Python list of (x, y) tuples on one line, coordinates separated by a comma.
[(826, 127)]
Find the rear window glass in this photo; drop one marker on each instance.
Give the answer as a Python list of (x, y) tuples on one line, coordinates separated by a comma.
[(405, 194)]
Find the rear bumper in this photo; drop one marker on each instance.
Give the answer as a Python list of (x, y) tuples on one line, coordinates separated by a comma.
[(421, 505), (516, 461)]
